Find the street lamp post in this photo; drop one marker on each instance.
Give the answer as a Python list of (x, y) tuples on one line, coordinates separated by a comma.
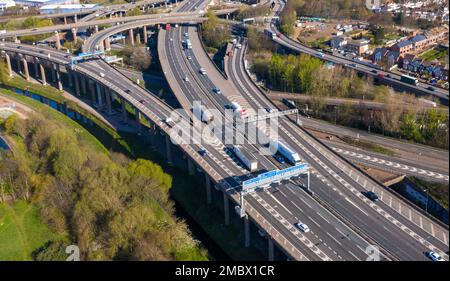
[(426, 204)]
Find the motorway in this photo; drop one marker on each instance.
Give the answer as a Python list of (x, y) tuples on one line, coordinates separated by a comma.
[(207, 85), (349, 248), (335, 182)]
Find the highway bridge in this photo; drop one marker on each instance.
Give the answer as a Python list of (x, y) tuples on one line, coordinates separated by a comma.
[(343, 222)]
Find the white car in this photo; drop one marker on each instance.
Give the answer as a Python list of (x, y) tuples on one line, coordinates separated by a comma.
[(186, 79), (303, 227), (434, 256), (189, 58)]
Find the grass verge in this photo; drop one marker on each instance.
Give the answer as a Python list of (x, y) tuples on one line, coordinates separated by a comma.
[(22, 231), (368, 146)]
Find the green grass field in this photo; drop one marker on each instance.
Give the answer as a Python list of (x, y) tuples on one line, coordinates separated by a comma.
[(22, 231), (438, 53)]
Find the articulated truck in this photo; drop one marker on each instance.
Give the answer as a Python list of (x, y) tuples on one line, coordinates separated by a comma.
[(409, 80), (288, 153), (202, 113), (249, 160)]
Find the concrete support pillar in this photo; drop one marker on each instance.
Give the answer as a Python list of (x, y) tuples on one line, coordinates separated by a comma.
[(43, 78), (271, 249), (8, 64), (25, 69), (191, 166), (144, 31), (57, 40), (99, 94), (65, 20), (83, 84), (70, 77), (168, 149), (138, 38), (36, 68), (131, 36), (92, 90), (19, 65), (208, 189), (107, 44), (58, 80), (108, 100), (138, 120), (111, 15), (77, 84), (124, 111), (74, 34), (75, 18), (226, 208), (53, 74), (246, 232), (101, 46), (96, 28)]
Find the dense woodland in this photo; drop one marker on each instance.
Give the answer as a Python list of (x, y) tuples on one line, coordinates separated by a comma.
[(214, 34), (112, 207)]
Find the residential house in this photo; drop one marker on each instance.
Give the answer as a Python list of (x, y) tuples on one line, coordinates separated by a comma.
[(403, 47), (358, 47), (338, 42), (385, 58), (407, 60), (419, 42)]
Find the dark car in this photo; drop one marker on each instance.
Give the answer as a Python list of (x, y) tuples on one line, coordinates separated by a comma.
[(388, 75), (371, 195), (430, 88), (127, 91), (202, 152), (374, 71), (142, 101)]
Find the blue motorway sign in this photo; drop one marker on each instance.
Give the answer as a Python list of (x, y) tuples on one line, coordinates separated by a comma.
[(274, 176)]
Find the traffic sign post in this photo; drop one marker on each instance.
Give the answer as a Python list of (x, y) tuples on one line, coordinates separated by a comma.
[(265, 179)]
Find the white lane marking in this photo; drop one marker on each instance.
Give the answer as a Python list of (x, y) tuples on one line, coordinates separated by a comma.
[(323, 218), (314, 222), (351, 202), (334, 238), (354, 255)]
